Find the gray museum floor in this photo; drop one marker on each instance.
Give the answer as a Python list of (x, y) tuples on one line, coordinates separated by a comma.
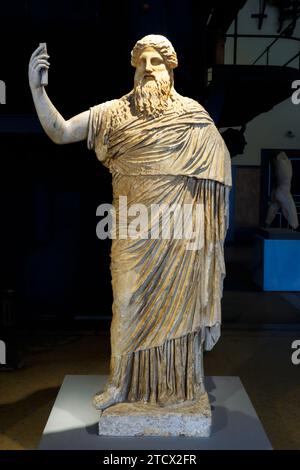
[(258, 331), (262, 360)]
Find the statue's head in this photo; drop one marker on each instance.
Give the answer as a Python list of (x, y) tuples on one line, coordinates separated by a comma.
[(154, 59), (161, 44)]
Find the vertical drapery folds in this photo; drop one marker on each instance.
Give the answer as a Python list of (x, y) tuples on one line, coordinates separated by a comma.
[(166, 291)]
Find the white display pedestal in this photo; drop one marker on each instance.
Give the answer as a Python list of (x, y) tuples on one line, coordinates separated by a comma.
[(73, 422)]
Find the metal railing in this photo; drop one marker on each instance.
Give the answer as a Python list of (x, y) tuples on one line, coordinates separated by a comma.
[(266, 51)]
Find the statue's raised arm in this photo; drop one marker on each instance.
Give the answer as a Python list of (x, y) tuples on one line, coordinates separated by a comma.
[(56, 127)]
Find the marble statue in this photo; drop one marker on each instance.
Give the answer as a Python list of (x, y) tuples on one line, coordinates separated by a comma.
[(160, 147), (281, 197)]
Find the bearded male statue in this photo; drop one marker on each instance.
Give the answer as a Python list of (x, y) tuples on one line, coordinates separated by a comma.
[(160, 147)]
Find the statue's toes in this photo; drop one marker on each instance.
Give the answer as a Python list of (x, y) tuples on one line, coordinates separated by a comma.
[(105, 399)]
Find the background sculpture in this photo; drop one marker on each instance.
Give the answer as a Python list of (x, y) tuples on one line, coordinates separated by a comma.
[(281, 197), (161, 148)]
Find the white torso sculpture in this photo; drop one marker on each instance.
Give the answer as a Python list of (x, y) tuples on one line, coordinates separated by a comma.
[(160, 148), (281, 197)]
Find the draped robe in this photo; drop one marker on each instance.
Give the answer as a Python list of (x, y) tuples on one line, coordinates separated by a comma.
[(166, 298)]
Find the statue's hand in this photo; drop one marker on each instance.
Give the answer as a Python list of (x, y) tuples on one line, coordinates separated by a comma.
[(38, 61)]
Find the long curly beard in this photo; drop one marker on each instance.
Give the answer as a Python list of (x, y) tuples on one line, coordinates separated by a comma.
[(151, 97)]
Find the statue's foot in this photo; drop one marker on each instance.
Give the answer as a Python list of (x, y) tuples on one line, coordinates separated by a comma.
[(110, 397)]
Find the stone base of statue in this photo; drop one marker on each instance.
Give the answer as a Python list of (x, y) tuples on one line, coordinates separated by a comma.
[(73, 423), (191, 419)]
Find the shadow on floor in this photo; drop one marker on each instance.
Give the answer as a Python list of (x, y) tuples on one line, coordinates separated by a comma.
[(13, 413)]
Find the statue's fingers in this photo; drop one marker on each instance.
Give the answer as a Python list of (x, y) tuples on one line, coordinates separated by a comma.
[(41, 66), (40, 57), (41, 62), (37, 51)]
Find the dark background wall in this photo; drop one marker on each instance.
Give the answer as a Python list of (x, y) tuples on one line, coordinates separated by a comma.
[(90, 42), (49, 253)]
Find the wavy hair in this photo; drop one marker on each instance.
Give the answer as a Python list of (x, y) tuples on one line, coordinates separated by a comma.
[(161, 44)]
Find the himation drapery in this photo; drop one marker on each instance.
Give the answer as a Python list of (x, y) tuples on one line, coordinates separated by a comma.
[(167, 297)]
